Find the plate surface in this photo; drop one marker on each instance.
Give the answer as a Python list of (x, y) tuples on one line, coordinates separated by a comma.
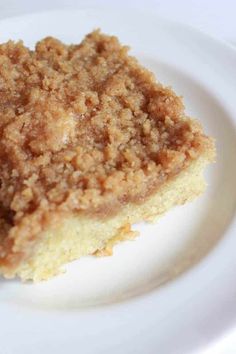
[(173, 289)]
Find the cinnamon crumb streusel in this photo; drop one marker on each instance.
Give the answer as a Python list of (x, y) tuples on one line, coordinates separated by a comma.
[(83, 128)]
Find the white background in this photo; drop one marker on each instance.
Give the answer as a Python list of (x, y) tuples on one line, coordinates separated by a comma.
[(217, 18)]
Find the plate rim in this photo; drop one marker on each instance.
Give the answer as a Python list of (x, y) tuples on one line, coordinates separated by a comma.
[(197, 269)]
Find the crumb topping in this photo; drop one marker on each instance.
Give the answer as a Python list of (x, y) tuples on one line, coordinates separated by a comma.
[(83, 128)]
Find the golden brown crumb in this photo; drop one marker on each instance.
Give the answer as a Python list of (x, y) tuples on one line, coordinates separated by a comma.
[(124, 233), (83, 128)]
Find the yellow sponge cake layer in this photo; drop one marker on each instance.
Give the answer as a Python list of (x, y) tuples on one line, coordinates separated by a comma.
[(78, 236)]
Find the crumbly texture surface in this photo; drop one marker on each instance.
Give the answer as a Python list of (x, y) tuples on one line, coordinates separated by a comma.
[(84, 129)]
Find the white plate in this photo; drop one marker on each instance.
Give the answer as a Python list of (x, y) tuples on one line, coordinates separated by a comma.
[(173, 289)]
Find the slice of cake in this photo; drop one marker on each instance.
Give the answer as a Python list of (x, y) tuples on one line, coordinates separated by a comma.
[(90, 143)]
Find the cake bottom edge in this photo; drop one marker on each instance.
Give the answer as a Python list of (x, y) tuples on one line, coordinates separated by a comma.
[(79, 236)]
